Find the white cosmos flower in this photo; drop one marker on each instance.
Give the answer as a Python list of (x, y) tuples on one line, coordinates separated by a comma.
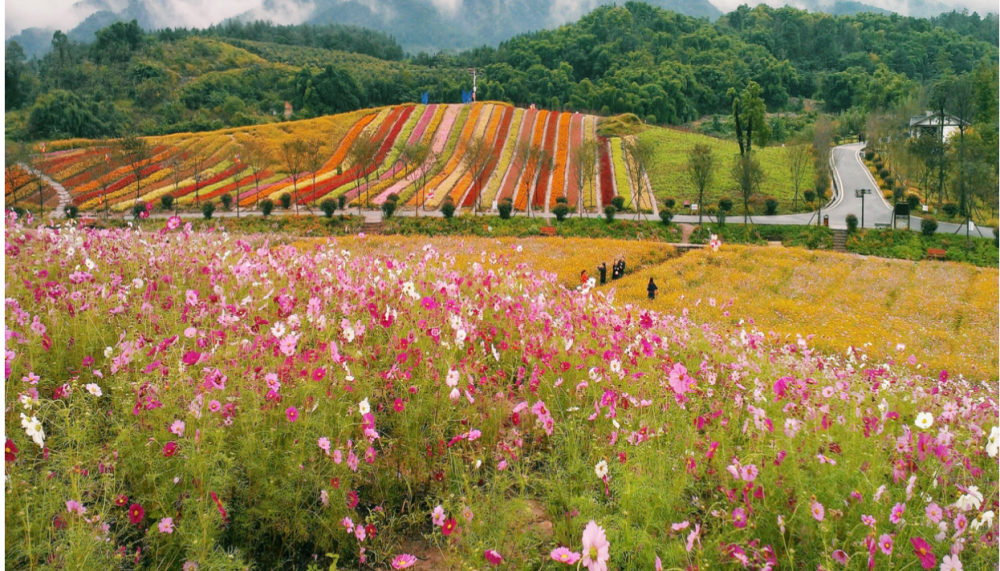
[(33, 428), (993, 444), (364, 407), (924, 420), (93, 389), (601, 469), (108, 351), (971, 500), (452, 379), (278, 329)]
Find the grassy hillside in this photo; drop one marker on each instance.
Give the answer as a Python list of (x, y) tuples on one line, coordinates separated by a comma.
[(668, 171)]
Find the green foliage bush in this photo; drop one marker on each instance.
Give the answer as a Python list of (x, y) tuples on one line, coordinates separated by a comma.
[(618, 202), (167, 202), (771, 206), (388, 208), (266, 206), (928, 225), (909, 245), (286, 200), (852, 223), (341, 201), (809, 195), (328, 206), (71, 211), (561, 210), (914, 201), (227, 201), (669, 202), (609, 212), (951, 209), (505, 207), (448, 208), (725, 204), (138, 210), (666, 216), (207, 209)]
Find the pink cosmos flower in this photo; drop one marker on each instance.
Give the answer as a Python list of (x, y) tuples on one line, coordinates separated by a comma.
[(398, 405), (951, 563), (449, 526), (817, 510), (693, 537), (924, 552), (359, 532), (885, 544), (348, 524), (564, 555), (337, 456), (324, 444), (896, 515), (166, 525), (73, 506), (467, 514), (840, 556), (352, 499), (292, 414), (748, 473), (214, 405), (739, 518), (177, 427), (403, 561), (595, 548), (868, 520), (493, 557), (934, 512), (169, 449), (438, 516)]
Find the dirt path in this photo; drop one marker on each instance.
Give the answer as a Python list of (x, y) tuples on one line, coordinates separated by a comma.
[(64, 197), (686, 231)]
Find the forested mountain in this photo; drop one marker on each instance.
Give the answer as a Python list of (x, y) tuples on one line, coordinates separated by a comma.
[(663, 66)]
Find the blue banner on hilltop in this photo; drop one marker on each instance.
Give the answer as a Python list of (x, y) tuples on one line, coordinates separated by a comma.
[(423, 98), (466, 96)]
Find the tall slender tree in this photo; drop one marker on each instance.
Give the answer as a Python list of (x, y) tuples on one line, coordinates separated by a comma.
[(585, 165), (747, 174), (360, 156), (136, 153), (314, 160), (257, 155), (797, 157), (478, 153), (701, 169), (293, 156), (638, 154)]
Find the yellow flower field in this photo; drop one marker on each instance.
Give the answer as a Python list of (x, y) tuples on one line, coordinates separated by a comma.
[(944, 313)]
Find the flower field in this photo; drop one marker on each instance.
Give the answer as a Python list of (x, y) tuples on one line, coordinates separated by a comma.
[(944, 313), (192, 400), (448, 129)]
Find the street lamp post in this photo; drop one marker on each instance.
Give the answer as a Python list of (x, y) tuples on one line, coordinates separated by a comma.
[(860, 193)]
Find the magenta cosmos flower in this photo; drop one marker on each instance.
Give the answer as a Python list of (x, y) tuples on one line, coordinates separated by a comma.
[(403, 561), (292, 414), (135, 514), (595, 548), (739, 518), (885, 544), (493, 557), (924, 552), (564, 555)]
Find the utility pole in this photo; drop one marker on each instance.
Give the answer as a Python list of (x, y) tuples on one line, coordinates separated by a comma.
[(472, 70), (860, 193)]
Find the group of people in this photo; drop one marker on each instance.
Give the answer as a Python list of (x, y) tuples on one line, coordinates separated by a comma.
[(617, 271)]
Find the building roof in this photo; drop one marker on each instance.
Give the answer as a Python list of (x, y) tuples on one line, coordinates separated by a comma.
[(933, 119)]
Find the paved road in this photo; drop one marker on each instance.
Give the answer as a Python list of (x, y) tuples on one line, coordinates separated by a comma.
[(64, 197)]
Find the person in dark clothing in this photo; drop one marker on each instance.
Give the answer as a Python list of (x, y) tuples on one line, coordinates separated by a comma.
[(603, 270), (621, 271), (651, 289), (614, 271)]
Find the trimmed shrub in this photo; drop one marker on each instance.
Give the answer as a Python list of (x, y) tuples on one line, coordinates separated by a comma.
[(928, 226), (666, 216), (328, 206), (167, 202), (227, 201), (561, 210), (950, 208), (388, 208), (914, 201), (138, 210), (619, 203), (809, 195), (771, 206), (266, 206), (897, 194), (286, 200), (869, 154), (996, 236), (207, 209), (669, 202), (448, 208), (852, 224), (562, 200), (888, 179), (341, 201), (505, 207), (609, 212), (725, 204), (71, 211)]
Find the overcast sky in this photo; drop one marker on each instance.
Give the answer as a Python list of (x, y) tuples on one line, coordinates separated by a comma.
[(65, 14)]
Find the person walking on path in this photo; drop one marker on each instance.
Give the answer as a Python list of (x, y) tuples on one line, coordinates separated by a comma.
[(621, 270), (651, 289), (603, 270)]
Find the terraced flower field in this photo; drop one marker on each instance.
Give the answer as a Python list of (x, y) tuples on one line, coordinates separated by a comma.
[(204, 166)]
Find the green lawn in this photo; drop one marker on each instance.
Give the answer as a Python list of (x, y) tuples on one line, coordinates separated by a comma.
[(668, 171)]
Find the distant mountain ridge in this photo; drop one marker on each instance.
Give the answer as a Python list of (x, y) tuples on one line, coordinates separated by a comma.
[(422, 25)]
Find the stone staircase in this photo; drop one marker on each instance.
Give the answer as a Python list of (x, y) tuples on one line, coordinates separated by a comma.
[(840, 240), (372, 227)]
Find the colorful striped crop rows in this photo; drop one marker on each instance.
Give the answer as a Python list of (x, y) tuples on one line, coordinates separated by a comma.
[(447, 130)]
